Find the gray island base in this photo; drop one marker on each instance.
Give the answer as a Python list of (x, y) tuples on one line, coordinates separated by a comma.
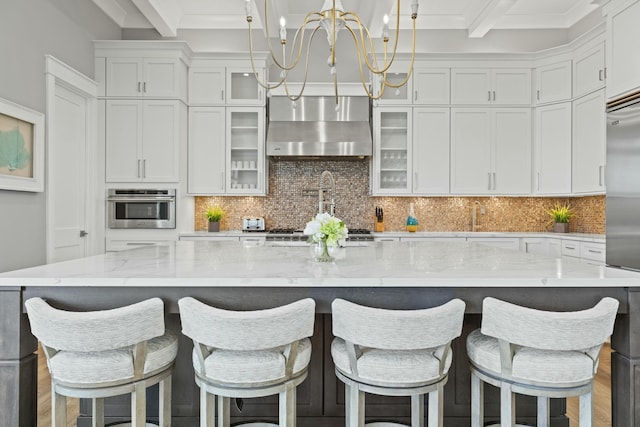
[(399, 275)]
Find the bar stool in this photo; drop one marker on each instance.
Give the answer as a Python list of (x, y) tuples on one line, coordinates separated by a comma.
[(98, 354), (537, 353), (394, 353), (245, 354)]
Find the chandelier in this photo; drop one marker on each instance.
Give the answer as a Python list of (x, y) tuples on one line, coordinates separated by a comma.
[(332, 19)]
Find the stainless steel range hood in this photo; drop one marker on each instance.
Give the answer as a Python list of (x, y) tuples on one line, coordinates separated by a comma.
[(313, 128)]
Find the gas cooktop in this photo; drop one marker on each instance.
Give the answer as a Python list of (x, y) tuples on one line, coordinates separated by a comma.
[(293, 235)]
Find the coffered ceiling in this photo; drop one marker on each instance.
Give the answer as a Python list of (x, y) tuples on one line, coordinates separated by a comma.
[(478, 17)]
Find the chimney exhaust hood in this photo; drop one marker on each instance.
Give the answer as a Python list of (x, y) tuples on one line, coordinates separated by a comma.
[(313, 128)]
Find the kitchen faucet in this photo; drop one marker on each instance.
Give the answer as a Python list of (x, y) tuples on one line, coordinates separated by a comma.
[(474, 215), (332, 205)]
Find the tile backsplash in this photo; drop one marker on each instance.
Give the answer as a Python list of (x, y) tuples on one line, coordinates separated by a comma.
[(293, 200)]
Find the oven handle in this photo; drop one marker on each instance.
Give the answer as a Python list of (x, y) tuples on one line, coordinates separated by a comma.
[(142, 199)]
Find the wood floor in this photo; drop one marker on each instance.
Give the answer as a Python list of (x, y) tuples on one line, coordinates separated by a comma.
[(602, 398)]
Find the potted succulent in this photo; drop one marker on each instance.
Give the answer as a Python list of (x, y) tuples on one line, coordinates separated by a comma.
[(214, 215), (560, 216)]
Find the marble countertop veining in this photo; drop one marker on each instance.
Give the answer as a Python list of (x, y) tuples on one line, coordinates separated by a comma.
[(378, 264)]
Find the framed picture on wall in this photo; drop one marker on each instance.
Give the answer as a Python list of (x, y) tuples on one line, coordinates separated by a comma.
[(21, 148)]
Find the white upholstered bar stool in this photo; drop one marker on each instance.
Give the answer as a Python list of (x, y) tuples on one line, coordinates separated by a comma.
[(537, 353), (245, 354), (99, 354), (394, 353)]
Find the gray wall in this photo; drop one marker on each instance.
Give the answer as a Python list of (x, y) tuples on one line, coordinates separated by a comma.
[(29, 30)]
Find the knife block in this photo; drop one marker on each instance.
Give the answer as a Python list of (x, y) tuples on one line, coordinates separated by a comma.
[(378, 226)]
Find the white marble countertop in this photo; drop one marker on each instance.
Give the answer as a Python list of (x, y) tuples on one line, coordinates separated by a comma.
[(600, 238), (386, 264)]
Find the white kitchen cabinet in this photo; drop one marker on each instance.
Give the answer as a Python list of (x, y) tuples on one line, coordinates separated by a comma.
[(588, 70), (142, 140), (623, 33), (430, 153), (215, 85), (589, 144), (397, 74), (535, 245), (207, 160), (207, 85), (242, 87), (392, 145), (490, 151), (552, 149), (431, 86), (553, 83), (145, 78), (245, 160), (478, 86), (593, 253)]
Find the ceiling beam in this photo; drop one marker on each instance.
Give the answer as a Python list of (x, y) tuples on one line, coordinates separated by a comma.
[(164, 15), (113, 11), (488, 16)]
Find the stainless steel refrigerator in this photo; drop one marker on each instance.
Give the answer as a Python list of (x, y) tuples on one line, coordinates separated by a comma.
[(623, 184)]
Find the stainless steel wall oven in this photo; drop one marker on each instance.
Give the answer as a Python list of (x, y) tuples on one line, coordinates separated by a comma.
[(141, 208)]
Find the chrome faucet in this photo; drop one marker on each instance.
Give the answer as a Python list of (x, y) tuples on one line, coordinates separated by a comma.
[(474, 214), (332, 204)]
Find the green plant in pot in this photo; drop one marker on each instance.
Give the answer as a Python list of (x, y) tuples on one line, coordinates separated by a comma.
[(214, 215), (560, 216)]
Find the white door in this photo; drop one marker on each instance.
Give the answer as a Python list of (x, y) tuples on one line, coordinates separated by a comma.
[(67, 163), (74, 200)]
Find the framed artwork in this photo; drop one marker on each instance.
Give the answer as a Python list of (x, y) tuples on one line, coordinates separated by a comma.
[(21, 148)]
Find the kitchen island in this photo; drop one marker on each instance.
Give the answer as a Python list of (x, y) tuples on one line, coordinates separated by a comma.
[(239, 275)]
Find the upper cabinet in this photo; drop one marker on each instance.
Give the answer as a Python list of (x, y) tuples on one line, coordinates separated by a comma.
[(589, 144), (623, 33), (142, 140), (211, 85), (478, 86), (145, 78), (430, 153), (491, 151), (552, 149), (207, 85), (589, 70), (425, 86), (392, 145), (431, 86), (553, 83)]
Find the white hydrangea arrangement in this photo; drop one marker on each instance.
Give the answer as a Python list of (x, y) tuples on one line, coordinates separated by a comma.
[(327, 228)]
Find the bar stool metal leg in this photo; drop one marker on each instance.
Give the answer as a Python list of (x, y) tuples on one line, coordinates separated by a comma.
[(97, 412), (207, 408), (58, 408), (436, 407), (224, 409), (165, 402), (507, 406), (477, 401), (586, 409), (543, 411)]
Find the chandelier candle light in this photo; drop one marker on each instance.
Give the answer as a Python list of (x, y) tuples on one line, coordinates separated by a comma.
[(327, 231), (332, 18)]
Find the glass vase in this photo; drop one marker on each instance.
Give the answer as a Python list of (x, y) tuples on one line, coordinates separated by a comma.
[(322, 252)]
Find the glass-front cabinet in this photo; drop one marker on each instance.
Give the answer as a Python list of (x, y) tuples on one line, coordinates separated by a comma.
[(392, 150), (245, 150), (242, 87)]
